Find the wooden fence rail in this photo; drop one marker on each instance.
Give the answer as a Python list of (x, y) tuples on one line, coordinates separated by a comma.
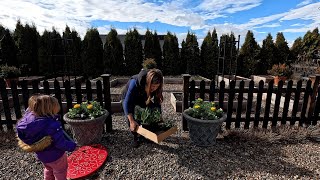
[(63, 94), (306, 97)]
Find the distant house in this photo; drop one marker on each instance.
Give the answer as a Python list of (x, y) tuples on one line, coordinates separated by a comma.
[(123, 36)]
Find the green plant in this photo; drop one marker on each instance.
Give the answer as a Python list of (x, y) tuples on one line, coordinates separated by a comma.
[(280, 70), (205, 110), (147, 115), (149, 63), (9, 71), (86, 110)]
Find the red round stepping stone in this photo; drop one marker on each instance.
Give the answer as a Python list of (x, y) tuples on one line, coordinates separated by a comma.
[(86, 160)]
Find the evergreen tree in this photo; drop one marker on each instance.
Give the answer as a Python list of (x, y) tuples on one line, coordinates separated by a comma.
[(171, 55), (192, 54), (297, 48), (283, 51), (183, 57), (311, 43), (267, 55), (206, 57), (8, 48), (26, 39), (45, 61), (214, 63), (157, 53), (57, 53), (227, 50), (133, 52), (73, 51), (249, 54), (113, 54), (148, 45), (92, 55)]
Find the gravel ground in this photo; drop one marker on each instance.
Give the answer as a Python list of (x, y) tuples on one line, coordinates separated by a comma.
[(235, 156)]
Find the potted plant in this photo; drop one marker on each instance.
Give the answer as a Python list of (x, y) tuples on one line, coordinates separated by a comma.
[(10, 73), (280, 72), (204, 122), (151, 119), (87, 122), (152, 125)]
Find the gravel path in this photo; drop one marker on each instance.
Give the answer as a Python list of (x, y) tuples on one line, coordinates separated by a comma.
[(234, 156)]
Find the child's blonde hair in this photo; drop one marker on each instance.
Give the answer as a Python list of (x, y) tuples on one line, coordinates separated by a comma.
[(44, 105)]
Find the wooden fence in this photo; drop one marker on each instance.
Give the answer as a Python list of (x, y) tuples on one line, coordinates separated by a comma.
[(308, 97), (102, 91)]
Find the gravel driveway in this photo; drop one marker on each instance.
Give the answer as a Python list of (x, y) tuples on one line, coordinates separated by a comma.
[(235, 156)]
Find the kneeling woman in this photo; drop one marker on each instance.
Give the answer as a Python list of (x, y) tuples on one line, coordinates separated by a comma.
[(144, 90)]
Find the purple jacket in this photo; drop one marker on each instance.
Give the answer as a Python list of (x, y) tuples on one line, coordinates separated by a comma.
[(31, 129)]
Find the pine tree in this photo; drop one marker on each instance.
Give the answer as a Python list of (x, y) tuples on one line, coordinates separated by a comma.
[(183, 57), (283, 51), (45, 63), (297, 48), (206, 56), (133, 52), (157, 52), (148, 45), (249, 54), (113, 54), (227, 50), (310, 43), (73, 51), (267, 55), (26, 39), (56, 50), (171, 55), (92, 55), (8, 48), (192, 53)]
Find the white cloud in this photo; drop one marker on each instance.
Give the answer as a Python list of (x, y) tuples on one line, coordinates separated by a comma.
[(268, 25), (305, 2), (297, 24), (78, 14)]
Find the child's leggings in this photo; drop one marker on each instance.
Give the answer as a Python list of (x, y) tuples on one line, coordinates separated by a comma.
[(56, 170)]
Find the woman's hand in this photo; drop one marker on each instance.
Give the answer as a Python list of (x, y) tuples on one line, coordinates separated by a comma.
[(133, 126)]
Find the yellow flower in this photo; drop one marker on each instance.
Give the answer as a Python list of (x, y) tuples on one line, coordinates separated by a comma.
[(213, 103), (90, 106), (196, 106), (213, 109), (76, 106), (199, 99)]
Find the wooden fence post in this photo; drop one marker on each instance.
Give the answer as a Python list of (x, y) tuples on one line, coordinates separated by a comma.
[(312, 101), (185, 104), (107, 100)]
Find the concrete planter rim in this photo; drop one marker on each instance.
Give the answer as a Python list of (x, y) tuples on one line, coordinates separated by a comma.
[(69, 120)]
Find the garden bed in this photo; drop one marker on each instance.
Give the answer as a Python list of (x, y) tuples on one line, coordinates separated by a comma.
[(61, 81), (228, 78)]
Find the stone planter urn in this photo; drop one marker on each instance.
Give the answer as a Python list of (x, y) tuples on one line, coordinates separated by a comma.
[(203, 132), (87, 131)]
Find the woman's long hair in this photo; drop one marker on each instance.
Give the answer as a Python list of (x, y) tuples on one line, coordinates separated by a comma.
[(154, 76), (44, 105)]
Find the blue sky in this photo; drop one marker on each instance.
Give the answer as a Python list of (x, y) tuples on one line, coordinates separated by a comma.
[(292, 17)]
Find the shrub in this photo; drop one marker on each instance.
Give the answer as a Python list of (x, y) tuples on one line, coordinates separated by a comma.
[(149, 63), (9, 71), (280, 70)]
